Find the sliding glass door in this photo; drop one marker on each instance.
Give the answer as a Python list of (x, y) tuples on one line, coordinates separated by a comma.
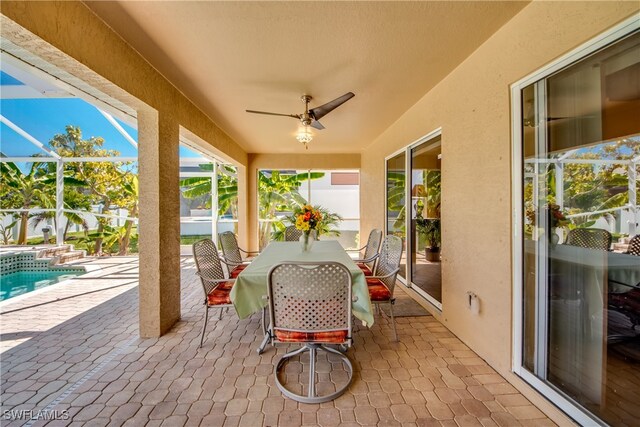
[(580, 282), (426, 277), (413, 213)]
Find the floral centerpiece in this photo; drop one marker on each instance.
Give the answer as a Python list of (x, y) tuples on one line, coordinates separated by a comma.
[(557, 219), (308, 219)]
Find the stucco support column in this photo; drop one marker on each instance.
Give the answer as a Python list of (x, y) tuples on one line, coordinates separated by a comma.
[(159, 227), (243, 209), (252, 203)]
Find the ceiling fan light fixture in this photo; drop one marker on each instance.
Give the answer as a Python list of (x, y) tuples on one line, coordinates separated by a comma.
[(304, 136)]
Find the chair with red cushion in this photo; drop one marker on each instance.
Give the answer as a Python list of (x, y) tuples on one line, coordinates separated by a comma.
[(232, 256), (310, 304), (381, 285), (216, 288), (368, 261)]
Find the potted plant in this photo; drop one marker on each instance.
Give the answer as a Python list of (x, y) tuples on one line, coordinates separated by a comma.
[(430, 228)]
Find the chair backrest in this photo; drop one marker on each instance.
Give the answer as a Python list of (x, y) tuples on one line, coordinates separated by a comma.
[(590, 238), (230, 248), (373, 246), (310, 297), (634, 245), (207, 263), (389, 260), (292, 234)]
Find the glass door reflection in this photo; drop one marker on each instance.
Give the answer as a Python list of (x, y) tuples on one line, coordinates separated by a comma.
[(396, 218), (426, 277)]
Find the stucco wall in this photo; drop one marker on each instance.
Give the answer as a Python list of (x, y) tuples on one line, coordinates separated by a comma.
[(472, 105)]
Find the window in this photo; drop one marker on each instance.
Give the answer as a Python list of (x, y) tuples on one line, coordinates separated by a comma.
[(337, 193), (205, 212), (579, 157)]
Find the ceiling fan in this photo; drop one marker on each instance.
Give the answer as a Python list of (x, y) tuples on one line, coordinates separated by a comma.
[(310, 117)]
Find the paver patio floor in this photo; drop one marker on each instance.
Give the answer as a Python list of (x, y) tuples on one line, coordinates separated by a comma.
[(74, 352)]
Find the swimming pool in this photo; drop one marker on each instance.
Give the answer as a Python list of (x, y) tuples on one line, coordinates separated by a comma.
[(21, 282), (27, 271)]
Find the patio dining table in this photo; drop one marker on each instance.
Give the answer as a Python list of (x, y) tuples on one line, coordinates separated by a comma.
[(249, 291)]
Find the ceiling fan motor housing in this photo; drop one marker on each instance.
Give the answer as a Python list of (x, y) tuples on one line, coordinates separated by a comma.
[(305, 117)]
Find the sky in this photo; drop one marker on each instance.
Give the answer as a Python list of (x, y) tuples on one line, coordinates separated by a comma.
[(45, 117)]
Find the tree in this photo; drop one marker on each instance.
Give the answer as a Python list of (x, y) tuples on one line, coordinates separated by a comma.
[(200, 186), (5, 230), (130, 202), (587, 186), (104, 181), (595, 187), (277, 194), (396, 182), (74, 199), (25, 191)]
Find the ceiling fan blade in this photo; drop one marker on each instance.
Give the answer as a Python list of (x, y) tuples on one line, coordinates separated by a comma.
[(323, 110), (273, 114), (317, 125)]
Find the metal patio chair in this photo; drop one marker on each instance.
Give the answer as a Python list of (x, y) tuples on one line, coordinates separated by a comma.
[(590, 238), (217, 288), (382, 284), (368, 261), (310, 304), (232, 253), (292, 234)]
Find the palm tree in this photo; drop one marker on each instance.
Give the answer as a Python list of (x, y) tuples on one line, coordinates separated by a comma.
[(73, 200), (200, 186), (25, 191), (103, 180), (278, 193), (72, 219)]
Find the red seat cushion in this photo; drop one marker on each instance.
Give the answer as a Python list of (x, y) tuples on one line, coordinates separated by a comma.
[(333, 337), (378, 291), (219, 296), (366, 270), (226, 285), (237, 270)]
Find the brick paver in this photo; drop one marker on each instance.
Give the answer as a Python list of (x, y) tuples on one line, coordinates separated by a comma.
[(87, 332)]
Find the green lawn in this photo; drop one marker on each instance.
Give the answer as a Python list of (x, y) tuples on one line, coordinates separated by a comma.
[(190, 240), (73, 238)]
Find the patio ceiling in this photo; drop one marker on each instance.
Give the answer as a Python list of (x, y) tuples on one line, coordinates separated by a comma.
[(231, 56)]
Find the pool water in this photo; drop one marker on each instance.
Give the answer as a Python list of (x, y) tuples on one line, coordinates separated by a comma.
[(19, 283)]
